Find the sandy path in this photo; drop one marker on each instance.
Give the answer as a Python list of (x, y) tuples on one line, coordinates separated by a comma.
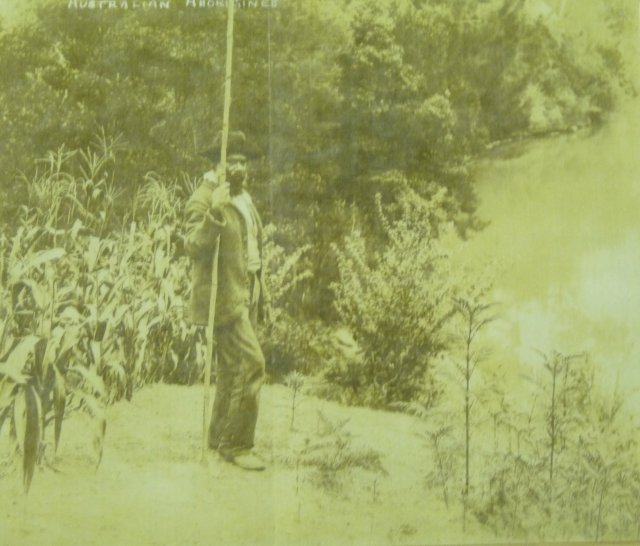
[(152, 489)]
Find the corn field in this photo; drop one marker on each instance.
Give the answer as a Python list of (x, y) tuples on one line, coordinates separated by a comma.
[(90, 310)]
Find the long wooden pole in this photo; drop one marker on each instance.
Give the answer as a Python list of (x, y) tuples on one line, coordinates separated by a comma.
[(214, 269)]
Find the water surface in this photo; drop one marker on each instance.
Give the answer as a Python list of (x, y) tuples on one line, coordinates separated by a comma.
[(565, 233)]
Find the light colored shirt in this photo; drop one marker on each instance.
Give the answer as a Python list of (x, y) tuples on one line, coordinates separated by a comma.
[(245, 206)]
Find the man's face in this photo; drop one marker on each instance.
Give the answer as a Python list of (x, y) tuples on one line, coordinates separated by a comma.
[(236, 173)]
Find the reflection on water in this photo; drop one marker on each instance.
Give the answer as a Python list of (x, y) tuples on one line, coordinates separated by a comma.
[(565, 230)]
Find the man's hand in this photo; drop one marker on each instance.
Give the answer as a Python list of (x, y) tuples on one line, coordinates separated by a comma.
[(220, 196)]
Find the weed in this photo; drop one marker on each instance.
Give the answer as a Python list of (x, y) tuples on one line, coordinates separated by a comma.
[(332, 455)]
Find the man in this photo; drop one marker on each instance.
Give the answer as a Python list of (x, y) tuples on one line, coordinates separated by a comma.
[(226, 210)]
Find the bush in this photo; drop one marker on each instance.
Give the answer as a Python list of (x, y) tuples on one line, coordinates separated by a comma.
[(396, 302)]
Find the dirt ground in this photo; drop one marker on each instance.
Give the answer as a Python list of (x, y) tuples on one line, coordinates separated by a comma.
[(152, 487)]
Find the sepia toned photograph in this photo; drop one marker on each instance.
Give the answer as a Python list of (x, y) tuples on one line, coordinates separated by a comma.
[(319, 272)]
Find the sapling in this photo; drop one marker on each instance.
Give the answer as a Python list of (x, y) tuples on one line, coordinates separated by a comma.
[(295, 381), (475, 314), (442, 461), (558, 368)]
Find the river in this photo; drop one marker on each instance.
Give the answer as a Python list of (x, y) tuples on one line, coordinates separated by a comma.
[(564, 234)]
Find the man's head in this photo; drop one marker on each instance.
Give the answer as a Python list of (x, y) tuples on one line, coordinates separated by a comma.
[(238, 153), (236, 172)]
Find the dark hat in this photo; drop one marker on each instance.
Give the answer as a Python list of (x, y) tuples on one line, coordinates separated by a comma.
[(236, 144)]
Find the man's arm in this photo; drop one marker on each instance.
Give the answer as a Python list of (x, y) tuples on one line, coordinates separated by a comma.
[(204, 220)]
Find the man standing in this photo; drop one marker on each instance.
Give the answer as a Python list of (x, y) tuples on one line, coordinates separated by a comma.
[(226, 210)]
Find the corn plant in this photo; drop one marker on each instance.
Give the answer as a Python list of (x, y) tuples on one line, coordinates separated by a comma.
[(41, 374)]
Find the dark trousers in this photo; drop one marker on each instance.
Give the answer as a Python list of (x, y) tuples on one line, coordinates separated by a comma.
[(239, 375)]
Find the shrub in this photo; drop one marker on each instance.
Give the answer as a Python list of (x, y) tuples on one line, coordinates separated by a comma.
[(396, 301)]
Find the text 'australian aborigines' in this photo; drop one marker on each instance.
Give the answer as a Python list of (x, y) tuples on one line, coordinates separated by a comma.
[(166, 4)]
